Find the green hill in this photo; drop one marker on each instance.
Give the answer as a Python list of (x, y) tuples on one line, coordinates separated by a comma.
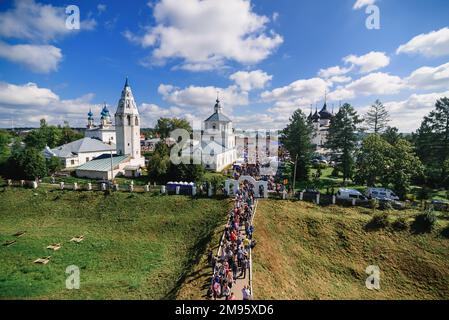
[(310, 252), (136, 246)]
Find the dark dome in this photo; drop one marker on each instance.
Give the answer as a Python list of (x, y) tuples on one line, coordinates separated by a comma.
[(324, 114)]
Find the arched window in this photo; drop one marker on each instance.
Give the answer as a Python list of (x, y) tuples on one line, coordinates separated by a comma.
[(129, 120), (137, 121)]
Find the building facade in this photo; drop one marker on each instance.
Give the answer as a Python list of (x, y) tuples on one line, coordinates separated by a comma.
[(320, 122)]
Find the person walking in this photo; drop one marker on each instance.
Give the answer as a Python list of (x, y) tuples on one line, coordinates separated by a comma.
[(246, 293)]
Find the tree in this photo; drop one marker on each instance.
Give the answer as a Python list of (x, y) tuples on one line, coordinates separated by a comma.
[(68, 134), (391, 135), (405, 165), (377, 117), (342, 138), (373, 160), (432, 139), (165, 126), (296, 138), (5, 139), (53, 165), (26, 163), (159, 163)]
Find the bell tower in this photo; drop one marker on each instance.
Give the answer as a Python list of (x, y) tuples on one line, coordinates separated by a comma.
[(127, 124)]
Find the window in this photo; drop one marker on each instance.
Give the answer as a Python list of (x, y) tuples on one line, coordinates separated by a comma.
[(212, 138), (72, 162), (129, 120), (87, 159), (137, 121)]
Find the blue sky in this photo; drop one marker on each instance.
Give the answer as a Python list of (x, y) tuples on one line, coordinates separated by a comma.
[(266, 58)]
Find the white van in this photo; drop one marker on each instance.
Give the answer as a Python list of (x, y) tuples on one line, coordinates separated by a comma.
[(350, 194), (381, 194)]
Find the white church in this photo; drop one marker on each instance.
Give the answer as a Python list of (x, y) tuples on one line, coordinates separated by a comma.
[(217, 147), (107, 150), (320, 122)]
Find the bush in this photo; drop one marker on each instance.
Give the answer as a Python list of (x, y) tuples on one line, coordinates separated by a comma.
[(400, 224), (385, 205), (373, 203), (379, 221), (425, 222)]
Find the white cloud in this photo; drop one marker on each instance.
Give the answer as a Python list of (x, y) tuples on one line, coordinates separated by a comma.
[(377, 84), (432, 44), (200, 101), (341, 94), (408, 114), (362, 3), (309, 89), (205, 34), (430, 78), (340, 79), (27, 104), (248, 81), (333, 71), (36, 22), (38, 58), (369, 62)]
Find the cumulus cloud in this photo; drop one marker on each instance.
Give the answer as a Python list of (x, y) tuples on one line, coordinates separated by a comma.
[(408, 114), (307, 89), (333, 71), (377, 84), (38, 58), (369, 62), (199, 101), (432, 44), (29, 20), (430, 78), (205, 34), (359, 4), (248, 81), (28, 103), (38, 24)]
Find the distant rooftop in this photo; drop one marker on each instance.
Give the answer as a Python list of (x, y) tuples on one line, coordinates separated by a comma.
[(103, 163)]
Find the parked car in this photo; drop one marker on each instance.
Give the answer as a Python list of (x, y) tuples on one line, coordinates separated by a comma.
[(351, 194), (381, 194), (440, 205)]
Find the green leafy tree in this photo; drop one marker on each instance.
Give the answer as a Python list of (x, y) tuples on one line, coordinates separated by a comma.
[(405, 165), (377, 117), (68, 134), (343, 137), (159, 163), (26, 163), (165, 126), (296, 138), (373, 160), (53, 165)]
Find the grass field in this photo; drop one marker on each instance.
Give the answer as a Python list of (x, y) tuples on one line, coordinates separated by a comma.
[(136, 246), (310, 252)]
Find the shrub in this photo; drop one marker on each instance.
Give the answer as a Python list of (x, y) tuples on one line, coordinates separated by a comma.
[(373, 203), (400, 224), (385, 205), (425, 222), (379, 221)]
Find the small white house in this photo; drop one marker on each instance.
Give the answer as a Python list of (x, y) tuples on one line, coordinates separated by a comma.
[(79, 152)]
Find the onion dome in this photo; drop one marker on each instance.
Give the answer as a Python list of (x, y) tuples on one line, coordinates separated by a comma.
[(325, 114)]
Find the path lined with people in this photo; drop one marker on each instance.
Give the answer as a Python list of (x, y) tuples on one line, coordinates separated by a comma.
[(231, 267)]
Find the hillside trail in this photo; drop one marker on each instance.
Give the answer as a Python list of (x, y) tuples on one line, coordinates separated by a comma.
[(247, 280)]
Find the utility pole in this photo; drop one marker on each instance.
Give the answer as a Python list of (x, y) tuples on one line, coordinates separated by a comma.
[(112, 171), (294, 175)]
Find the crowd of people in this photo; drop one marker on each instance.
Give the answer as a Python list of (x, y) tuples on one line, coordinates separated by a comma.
[(233, 261)]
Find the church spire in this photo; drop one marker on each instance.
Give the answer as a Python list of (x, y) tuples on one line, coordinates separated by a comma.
[(217, 107), (127, 82)]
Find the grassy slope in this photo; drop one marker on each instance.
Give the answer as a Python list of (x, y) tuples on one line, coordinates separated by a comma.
[(136, 247), (307, 252)]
